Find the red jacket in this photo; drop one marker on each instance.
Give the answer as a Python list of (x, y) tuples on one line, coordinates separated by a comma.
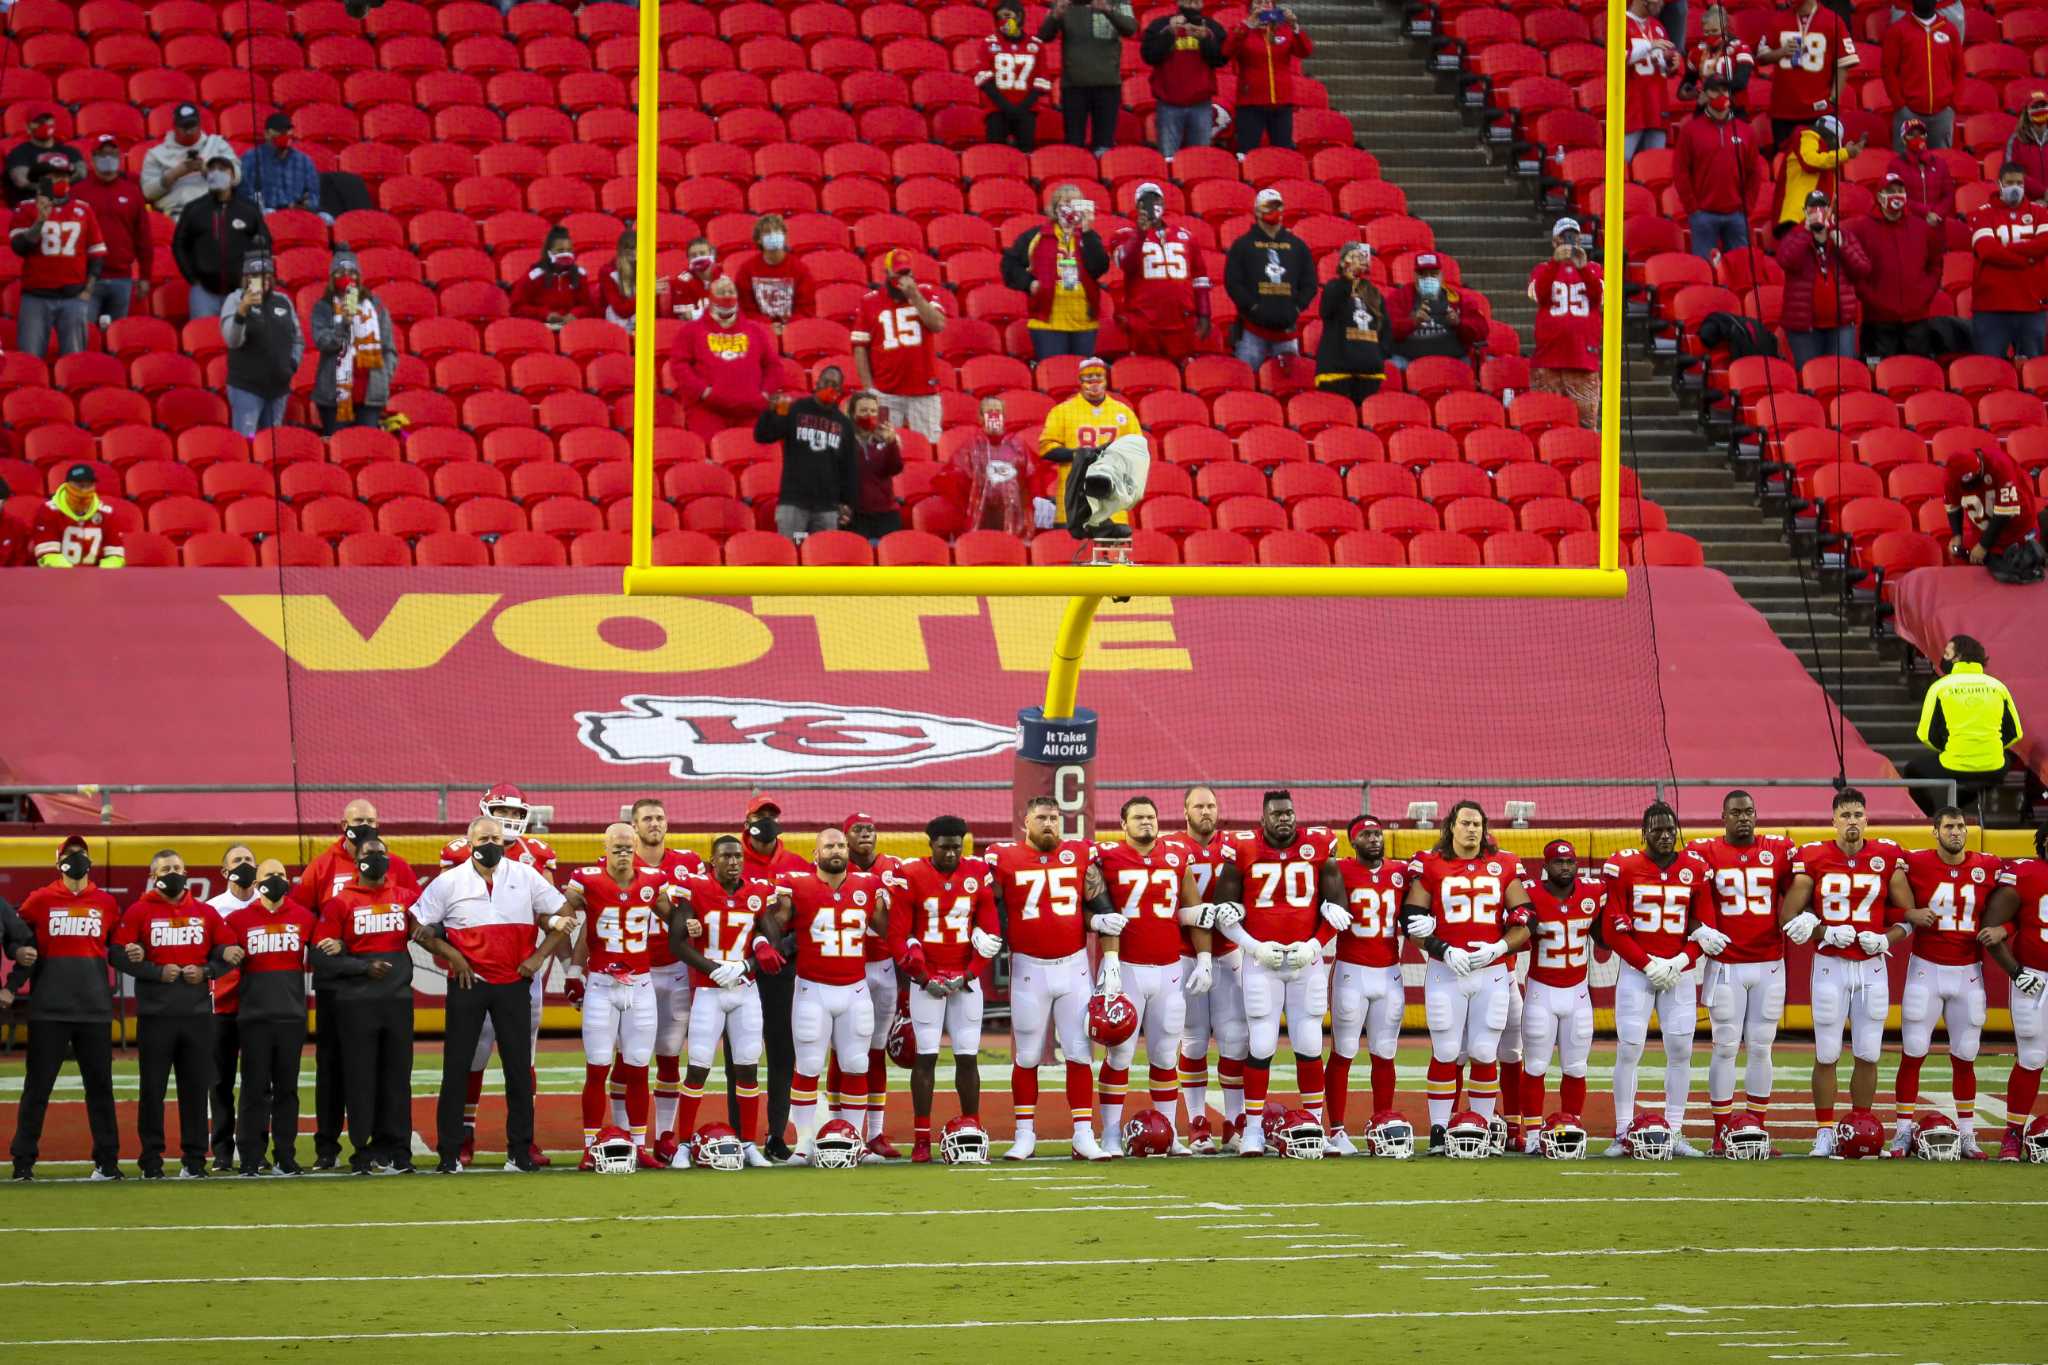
[(1266, 59), (1716, 166), (1922, 64), (544, 293), (738, 364), (2010, 245), (1183, 68), (1930, 187), (2032, 155), (124, 224), (1820, 284), (1905, 266)]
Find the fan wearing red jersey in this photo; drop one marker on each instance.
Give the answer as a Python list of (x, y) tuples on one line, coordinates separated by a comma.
[(1141, 959), (941, 906), (711, 935), (1042, 885), (1557, 1013), (1858, 893), (1812, 52), (2015, 933), (1743, 983), (883, 989), (622, 907), (1658, 904), (1951, 886), (1467, 907), (831, 912), (1366, 993), (670, 975), (1165, 307), (895, 345), (1652, 61)]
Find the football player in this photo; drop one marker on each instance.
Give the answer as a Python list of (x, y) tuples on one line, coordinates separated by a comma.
[(1141, 959), (1858, 888), (882, 990), (622, 905), (2015, 933), (1367, 995), (1945, 974), (1467, 907), (507, 805), (1658, 904), (1744, 984), (1558, 1013), (1042, 885), (831, 912), (711, 935), (1165, 305), (1292, 903), (940, 904), (671, 976), (1208, 974)]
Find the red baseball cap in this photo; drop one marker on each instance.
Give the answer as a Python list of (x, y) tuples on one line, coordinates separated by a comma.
[(761, 802), (45, 114), (72, 841), (1559, 848), (1427, 260), (857, 818)]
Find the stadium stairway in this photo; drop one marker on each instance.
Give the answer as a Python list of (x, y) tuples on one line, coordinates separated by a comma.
[(1409, 119)]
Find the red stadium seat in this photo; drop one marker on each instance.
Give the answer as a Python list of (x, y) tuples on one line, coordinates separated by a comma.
[(529, 549), (1443, 549), (374, 550), (1516, 550), (1218, 548), (759, 548), (904, 548)]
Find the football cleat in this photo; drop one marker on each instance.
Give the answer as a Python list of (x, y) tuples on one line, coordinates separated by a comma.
[(2035, 1140), (671, 1153), (1901, 1144), (1339, 1143), (902, 1042), (921, 1152), (1201, 1141), (717, 1148), (1563, 1138), (1086, 1148), (1233, 1134), (1497, 1134), (837, 1147), (1859, 1135), (507, 805), (1301, 1136), (1971, 1151), (1393, 1136), (1468, 1137), (1649, 1137), (536, 1157), (1252, 1141), (962, 1142), (1745, 1138), (612, 1152), (1823, 1143), (1147, 1134), (755, 1160), (1436, 1139), (1936, 1138), (881, 1148), (1022, 1146), (1683, 1149), (1112, 1019), (467, 1156)]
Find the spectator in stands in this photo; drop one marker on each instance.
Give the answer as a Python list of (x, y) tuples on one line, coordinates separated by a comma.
[(116, 200), (1930, 186), (1823, 270), (1268, 46), (260, 328), (1716, 170), (1351, 357), (76, 528), (1951, 11), (1008, 489), (278, 175), (1430, 317), (1994, 518), (1922, 66), (2007, 289), (57, 237), (1011, 79), (25, 156), (2028, 145), (174, 172), (1165, 306), (1652, 61), (215, 233), (820, 458), (556, 290), (1088, 420), (1968, 720), (1092, 35), (1808, 67), (880, 459), (1813, 165), (1719, 53), (1059, 266), (1905, 253), (896, 345), (1567, 290), (726, 365), (691, 293), (1270, 275), (1183, 48), (614, 289), (358, 349), (775, 284)]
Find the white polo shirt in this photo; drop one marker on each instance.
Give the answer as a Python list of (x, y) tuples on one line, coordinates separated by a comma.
[(495, 925)]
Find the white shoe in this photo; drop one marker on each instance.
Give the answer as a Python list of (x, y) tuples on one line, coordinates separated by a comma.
[(798, 1159), (1823, 1143), (753, 1157), (1339, 1143), (1680, 1147), (1180, 1148), (1532, 1145), (1619, 1147), (681, 1160), (1112, 1142), (1902, 1140), (1086, 1148), (1023, 1147), (1254, 1142), (873, 1159), (1971, 1151), (1234, 1142)]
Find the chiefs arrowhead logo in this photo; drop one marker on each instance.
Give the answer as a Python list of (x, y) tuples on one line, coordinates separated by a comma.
[(734, 737)]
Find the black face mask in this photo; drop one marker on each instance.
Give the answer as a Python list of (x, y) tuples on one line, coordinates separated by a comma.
[(274, 887), (1923, 9), (74, 865), (171, 885), (357, 833), (489, 856), (243, 875), (764, 830), (373, 865)]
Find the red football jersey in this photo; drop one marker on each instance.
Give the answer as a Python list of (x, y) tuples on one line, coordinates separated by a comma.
[(67, 239), (1373, 896), (1011, 66), (1651, 910), (1850, 888), (1146, 888), (1561, 932), (1725, 60), (1200, 861), (831, 925), (1162, 269), (727, 916), (180, 935), (1282, 886), (81, 542), (884, 866), (1802, 83), (1749, 886), (1649, 74), (902, 356), (2029, 878), (676, 864), (367, 920), (1957, 895), (1567, 315), (1467, 896), (941, 910), (621, 924), (1042, 895)]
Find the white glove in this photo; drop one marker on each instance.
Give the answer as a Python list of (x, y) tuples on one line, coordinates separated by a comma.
[(1459, 961), (1421, 926), (1711, 940), (1301, 956), (729, 974), (1198, 916), (1486, 955), (1111, 924), (1044, 515), (1271, 956), (1228, 914), (1665, 972), (1110, 979), (1336, 916), (1876, 945), (1200, 977), (1801, 926), (2030, 982), (1838, 936), (937, 988), (985, 943)]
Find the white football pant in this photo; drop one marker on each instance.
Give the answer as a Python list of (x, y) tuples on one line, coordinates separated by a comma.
[(835, 1017), (1854, 993), (1050, 995), (956, 1016), (618, 1019), (1954, 995), (1466, 1014), (1366, 1000), (1557, 1019), (1745, 1001), (733, 1012), (1678, 1016)]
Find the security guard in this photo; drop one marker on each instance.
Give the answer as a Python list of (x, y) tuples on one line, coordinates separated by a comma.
[(1968, 720)]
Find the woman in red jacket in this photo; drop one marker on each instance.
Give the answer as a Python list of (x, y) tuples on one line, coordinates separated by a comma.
[(1822, 268), (1265, 48)]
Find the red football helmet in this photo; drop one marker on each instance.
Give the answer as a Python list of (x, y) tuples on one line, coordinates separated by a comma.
[(1747, 1137), (1147, 1134), (1859, 1135), (1301, 1136), (2034, 1141), (613, 1152), (902, 1044), (1112, 1019), (1563, 1137), (1936, 1137), (1468, 1136), (838, 1146), (1649, 1136), (1391, 1135), (507, 805), (963, 1142), (717, 1148)]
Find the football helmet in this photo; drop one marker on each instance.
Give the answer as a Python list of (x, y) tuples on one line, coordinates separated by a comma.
[(838, 1146), (1300, 1136), (1468, 1137), (1563, 1137), (717, 1148), (962, 1142), (1936, 1137), (1649, 1137), (613, 1152), (1147, 1134), (1746, 1137), (2034, 1141), (1497, 1134), (902, 1043), (1390, 1135), (507, 805), (1112, 1019), (1859, 1135)]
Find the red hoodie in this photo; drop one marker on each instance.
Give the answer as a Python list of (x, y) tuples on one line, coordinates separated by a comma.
[(1905, 266), (1922, 64), (1930, 187), (1266, 59), (737, 364), (1716, 166), (2010, 244)]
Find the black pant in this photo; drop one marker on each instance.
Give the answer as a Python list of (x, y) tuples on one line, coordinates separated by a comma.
[(1271, 123), (1084, 106), (875, 525), (227, 1056), (1968, 784), (367, 415), (49, 1042), (180, 1043), (1357, 390), (331, 1105), (509, 1006), (1886, 338), (1784, 131), (376, 1041), (1017, 127), (778, 998), (269, 1118)]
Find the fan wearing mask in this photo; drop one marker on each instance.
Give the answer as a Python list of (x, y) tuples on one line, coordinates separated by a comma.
[(1716, 169), (1823, 268), (1006, 488), (820, 457), (352, 331), (1012, 79), (1058, 265), (174, 171), (1922, 67), (725, 366), (216, 233), (59, 266), (690, 294), (116, 200), (774, 283), (2028, 144), (2009, 237), (556, 290), (277, 174), (1905, 253), (260, 329)]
